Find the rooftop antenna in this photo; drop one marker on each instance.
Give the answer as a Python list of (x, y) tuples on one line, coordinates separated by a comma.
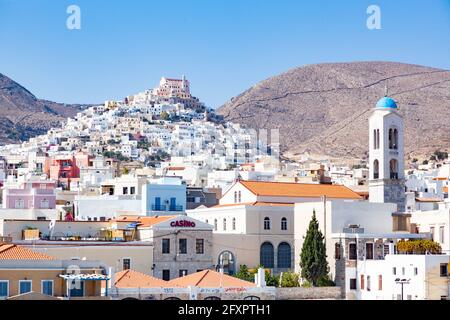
[(386, 89)]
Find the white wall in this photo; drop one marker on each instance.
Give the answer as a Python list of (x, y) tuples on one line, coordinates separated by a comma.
[(105, 206), (375, 218), (427, 284)]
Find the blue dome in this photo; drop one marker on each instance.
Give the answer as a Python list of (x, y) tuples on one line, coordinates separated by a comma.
[(386, 102)]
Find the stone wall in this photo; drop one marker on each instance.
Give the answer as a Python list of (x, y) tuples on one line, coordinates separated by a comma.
[(301, 293)]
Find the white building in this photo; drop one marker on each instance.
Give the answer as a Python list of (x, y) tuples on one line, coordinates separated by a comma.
[(424, 277), (163, 196), (254, 222)]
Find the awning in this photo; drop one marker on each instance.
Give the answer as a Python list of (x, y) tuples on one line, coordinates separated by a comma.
[(92, 276)]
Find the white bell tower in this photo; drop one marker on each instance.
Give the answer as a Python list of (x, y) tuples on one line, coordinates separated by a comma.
[(386, 157)]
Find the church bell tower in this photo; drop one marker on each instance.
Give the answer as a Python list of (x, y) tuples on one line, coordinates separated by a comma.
[(386, 156)]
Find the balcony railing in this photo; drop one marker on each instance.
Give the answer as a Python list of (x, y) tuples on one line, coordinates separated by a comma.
[(176, 208), (158, 207)]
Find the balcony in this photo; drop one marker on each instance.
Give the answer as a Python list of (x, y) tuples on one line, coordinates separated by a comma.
[(158, 207), (174, 208)]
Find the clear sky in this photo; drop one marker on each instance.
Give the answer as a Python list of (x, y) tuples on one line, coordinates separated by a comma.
[(222, 46)]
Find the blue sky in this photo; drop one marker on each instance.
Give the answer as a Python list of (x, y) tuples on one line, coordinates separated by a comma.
[(222, 46)]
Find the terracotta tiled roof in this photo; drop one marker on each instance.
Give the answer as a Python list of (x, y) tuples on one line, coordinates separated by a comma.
[(210, 279), (14, 252), (144, 221), (427, 200), (303, 190), (257, 204), (176, 168), (135, 279)]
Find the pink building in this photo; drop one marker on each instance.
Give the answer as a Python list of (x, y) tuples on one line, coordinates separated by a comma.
[(33, 194)]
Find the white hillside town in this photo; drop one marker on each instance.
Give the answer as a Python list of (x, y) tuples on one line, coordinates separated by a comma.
[(158, 197)]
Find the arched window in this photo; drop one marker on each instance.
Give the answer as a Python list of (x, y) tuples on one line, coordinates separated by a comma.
[(376, 169), (215, 224), (212, 298), (284, 255), (393, 139), (206, 221), (283, 223), (376, 138), (224, 224), (393, 167), (266, 223), (226, 262), (233, 224), (266, 256)]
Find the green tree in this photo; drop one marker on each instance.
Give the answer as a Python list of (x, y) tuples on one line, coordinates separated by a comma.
[(244, 273), (313, 258), (290, 279), (271, 280), (164, 116)]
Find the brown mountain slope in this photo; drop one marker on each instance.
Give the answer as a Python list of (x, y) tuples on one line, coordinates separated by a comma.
[(323, 109), (22, 115)]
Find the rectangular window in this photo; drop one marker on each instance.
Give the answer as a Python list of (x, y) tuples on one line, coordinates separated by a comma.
[(361, 285), (394, 271), (385, 249), (416, 271), (47, 287), (126, 264), (352, 254), (183, 272), (353, 284), (165, 246), (182, 246), (441, 234), (199, 246), (403, 271), (166, 275), (125, 190), (368, 283), (25, 286), (369, 251), (132, 190), (4, 288), (432, 233), (380, 282), (444, 270)]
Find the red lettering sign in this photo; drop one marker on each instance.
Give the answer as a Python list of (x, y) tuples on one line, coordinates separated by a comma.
[(183, 223)]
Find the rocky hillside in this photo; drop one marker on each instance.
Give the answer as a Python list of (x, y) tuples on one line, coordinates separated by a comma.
[(22, 115), (323, 109)]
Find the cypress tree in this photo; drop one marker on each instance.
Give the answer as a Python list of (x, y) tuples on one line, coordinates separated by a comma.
[(313, 258)]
